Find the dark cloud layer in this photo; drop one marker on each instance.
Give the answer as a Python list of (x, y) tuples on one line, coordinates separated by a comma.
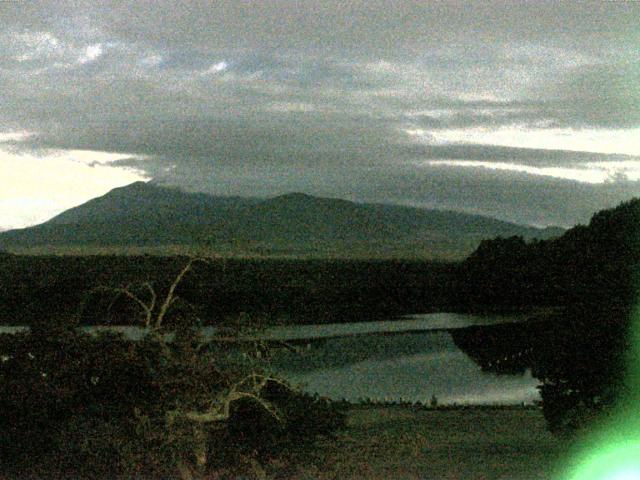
[(254, 97)]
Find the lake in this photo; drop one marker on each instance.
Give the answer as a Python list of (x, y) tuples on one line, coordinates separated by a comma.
[(408, 323), (401, 367), (408, 359)]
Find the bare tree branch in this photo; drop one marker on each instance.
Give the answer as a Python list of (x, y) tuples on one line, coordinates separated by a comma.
[(152, 304), (221, 409), (171, 298)]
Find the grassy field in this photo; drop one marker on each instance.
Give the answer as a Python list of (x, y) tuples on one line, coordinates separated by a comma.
[(423, 251), (471, 444)]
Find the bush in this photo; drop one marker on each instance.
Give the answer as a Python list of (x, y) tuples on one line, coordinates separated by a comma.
[(184, 407)]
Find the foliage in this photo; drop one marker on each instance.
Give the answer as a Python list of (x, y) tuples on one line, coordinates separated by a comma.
[(313, 291), (592, 272), (170, 405)]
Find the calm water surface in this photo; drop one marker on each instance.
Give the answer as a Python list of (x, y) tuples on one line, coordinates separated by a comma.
[(409, 323), (409, 359), (406, 366)]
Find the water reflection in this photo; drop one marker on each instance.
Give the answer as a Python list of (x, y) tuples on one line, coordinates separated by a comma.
[(409, 323), (410, 367), (409, 359)]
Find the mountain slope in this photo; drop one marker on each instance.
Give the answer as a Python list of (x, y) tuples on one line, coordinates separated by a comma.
[(143, 214), (149, 203)]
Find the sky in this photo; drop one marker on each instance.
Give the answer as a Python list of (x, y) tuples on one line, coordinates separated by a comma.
[(524, 111)]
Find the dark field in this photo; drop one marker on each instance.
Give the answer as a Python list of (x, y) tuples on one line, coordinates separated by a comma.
[(291, 291), (403, 443)]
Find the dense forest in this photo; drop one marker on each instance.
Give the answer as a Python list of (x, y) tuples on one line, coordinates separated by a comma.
[(594, 264), (35, 289), (579, 351)]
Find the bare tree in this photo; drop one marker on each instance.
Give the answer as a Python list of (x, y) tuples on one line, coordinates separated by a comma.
[(199, 404)]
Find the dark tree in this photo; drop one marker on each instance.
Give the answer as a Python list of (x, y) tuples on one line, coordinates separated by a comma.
[(590, 276)]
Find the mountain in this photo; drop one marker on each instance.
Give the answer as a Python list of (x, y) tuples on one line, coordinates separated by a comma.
[(149, 215), (139, 214), (149, 203)]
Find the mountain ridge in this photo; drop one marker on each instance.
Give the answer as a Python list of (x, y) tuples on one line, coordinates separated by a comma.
[(146, 214)]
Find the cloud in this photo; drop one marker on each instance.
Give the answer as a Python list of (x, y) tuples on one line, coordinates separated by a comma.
[(603, 95), (91, 53), (32, 45), (36, 187), (590, 172), (339, 98), (151, 61), (605, 141), (503, 194), (216, 68)]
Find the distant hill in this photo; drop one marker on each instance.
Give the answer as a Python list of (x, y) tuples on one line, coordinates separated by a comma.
[(146, 215), (595, 264)]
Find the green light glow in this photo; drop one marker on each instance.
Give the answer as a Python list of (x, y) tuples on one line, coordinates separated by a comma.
[(626, 475), (614, 462), (612, 451)]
